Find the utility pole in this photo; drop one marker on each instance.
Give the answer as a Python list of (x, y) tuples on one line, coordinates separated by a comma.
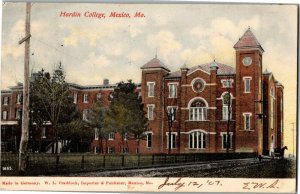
[(25, 113)]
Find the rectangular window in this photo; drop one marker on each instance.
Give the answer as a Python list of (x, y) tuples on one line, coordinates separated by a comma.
[(19, 98), (151, 89), (43, 133), (110, 150), (5, 100), (227, 83), (75, 97), (247, 84), (96, 133), (224, 140), (125, 150), (198, 114), (197, 140), (173, 140), (259, 86), (225, 112), (4, 115), (85, 115), (85, 98), (172, 90), (149, 140), (150, 111), (247, 123), (125, 136), (172, 112), (111, 136), (98, 97), (18, 113), (272, 113)]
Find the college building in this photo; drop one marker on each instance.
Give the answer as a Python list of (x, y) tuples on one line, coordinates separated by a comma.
[(205, 108)]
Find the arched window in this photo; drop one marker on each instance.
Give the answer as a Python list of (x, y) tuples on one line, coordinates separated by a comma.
[(198, 110), (227, 104), (197, 140)]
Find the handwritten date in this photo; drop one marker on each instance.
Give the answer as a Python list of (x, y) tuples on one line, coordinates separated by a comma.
[(179, 183)]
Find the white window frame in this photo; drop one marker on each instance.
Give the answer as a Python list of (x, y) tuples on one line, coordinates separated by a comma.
[(247, 84), (98, 96), (174, 85), (111, 136), (199, 144), (96, 133), (4, 115), (176, 109), (151, 89), (43, 133), (18, 98), (225, 133), (151, 140), (225, 82), (173, 141), (125, 150), (110, 150), (5, 100), (199, 113), (75, 97), (150, 111), (272, 112), (225, 107), (85, 98), (18, 113), (85, 113), (259, 86), (247, 114)]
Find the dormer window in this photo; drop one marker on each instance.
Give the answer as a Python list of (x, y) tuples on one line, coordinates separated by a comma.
[(227, 83)]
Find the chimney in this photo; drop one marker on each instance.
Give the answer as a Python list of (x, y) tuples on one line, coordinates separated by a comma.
[(105, 82)]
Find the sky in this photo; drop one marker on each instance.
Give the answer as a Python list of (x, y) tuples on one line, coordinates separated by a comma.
[(92, 48)]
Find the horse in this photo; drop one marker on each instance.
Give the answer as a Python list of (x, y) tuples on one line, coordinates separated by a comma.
[(280, 151)]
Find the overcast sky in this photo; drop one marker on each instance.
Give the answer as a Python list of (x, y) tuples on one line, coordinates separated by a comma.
[(92, 49)]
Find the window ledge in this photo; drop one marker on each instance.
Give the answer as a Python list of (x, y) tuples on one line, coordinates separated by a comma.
[(226, 120), (197, 148), (196, 121), (111, 139)]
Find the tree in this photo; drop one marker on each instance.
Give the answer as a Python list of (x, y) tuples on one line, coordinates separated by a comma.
[(75, 132), (96, 122), (126, 114), (52, 101)]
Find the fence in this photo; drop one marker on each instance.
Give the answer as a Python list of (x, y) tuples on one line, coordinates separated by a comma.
[(52, 164)]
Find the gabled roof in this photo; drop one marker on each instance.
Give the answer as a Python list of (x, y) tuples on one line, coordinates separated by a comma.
[(222, 69), (248, 40), (155, 63)]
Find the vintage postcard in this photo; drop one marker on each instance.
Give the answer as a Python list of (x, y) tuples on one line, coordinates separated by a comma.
[(149, 97)]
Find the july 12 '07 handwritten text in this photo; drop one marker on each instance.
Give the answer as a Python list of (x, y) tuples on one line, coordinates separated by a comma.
[(179, 183), (101, 15)]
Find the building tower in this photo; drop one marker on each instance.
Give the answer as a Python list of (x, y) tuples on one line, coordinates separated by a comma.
[(249, 134), (152, 88)]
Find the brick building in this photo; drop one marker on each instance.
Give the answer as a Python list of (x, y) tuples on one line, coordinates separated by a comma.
[(214, 103)]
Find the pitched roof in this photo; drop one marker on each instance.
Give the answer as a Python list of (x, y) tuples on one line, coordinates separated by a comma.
[(155, 63), (248, 40), (222, 69)]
